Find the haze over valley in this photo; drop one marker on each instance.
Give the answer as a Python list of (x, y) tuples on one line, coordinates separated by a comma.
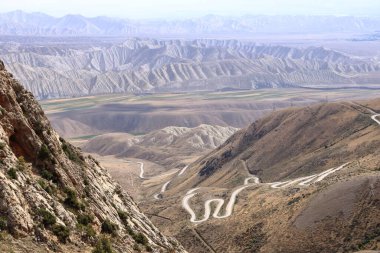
[(222, 127)]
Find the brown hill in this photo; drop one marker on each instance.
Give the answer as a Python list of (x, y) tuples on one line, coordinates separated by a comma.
[(166, 146), (52, 198), (292, 143), (339, 213)]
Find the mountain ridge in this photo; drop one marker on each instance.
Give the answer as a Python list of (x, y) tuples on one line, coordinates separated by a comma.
[(148, 65), (22, 23), (165, 146)]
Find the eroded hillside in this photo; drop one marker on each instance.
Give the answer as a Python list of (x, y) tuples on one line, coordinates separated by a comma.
[(140, 66), (168, 146)]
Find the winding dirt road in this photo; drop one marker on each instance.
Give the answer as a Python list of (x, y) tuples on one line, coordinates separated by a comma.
[(374, 117), (165, 186), (302, 181), (219, 204), (141, 170), (306, 181)]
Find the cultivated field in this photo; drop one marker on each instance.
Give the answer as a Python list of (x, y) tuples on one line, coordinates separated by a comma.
[(86, 117)]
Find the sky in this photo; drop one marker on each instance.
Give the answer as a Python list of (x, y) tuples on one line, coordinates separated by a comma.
[(169, 9)]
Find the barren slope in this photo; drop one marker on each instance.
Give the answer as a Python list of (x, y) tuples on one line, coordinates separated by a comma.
[(338, 212), (139, 66), (291, 143), (167, 146)]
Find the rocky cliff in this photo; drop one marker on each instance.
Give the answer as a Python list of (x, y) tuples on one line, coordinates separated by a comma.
[(52, 197)]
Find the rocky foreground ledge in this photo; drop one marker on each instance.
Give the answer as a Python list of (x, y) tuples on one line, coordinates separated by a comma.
[(53, 196)]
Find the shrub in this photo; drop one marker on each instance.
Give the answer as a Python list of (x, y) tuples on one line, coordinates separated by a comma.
[(103, 246), (108, 227), (3, 223), (2, 236), (129, 230), (12, 173), (87, 191), (71, 153), (123, 216), (21, 163), (85, 219), (61, 232), (47, 218), (295, 200), (47, 174), (2, 145), (46, 186), (38, 128), (44, 152), (72, 199), (87, 232), (90, 232), (136, 247), (140, 238)]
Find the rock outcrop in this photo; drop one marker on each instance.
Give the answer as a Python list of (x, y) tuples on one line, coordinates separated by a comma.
[(51, 192)]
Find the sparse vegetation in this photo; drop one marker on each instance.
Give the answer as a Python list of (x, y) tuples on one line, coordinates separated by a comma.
[(61, 232), (123, 216), (44, 152), (108, 227), (48, 219), (21, 163), (72, 200), (370, 236), (140, 238), (85, 219), (71, 153), (46, 186), (49, 175), (136, 247), (295, 200), (89, 232), (38, 128), (12, 173), (148, 248), (87, 191), (103, 246), (3, 224)]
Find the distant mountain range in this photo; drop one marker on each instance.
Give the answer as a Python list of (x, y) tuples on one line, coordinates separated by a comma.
[(140, 66), (39, 24)]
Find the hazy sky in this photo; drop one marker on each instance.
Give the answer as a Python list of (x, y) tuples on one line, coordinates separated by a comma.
[(192, 8)]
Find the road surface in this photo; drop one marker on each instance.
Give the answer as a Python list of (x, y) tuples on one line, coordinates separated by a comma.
[(141, 170), (302, 181)]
